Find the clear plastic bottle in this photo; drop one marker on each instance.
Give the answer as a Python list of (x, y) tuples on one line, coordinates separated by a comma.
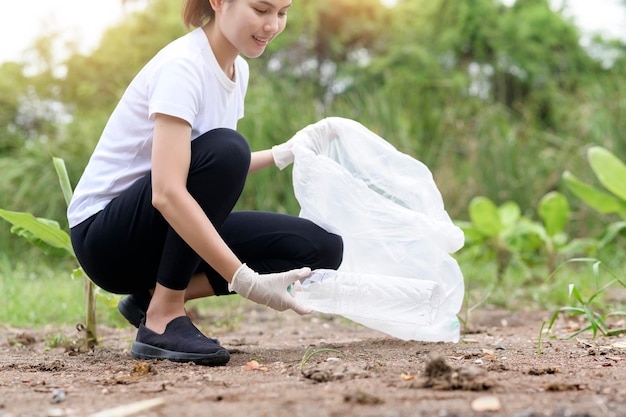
[(406, 308)]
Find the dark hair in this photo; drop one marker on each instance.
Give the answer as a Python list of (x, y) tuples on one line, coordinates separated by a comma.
[(197, 13)]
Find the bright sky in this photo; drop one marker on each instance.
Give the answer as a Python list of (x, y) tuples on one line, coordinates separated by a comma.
[(603, 16), (84, 20)]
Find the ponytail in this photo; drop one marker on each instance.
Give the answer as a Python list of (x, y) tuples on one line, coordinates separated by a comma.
[(197, 13)]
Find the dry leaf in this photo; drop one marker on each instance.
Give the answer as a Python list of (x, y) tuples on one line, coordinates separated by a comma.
[(252, 366), (407, 377)]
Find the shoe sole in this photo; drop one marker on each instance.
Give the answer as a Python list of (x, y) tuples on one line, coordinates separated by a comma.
[(143, 351)]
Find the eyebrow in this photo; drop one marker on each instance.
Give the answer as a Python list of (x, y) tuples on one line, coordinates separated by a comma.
[(269, 4)]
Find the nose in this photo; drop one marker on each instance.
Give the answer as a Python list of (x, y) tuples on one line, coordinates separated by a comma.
[(272, 24)]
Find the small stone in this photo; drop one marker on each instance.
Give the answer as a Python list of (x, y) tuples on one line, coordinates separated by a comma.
[(487, 403), (58, 395)]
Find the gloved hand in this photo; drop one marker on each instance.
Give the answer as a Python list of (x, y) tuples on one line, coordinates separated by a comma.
[(315, 137), (282, 154), (269, 289)]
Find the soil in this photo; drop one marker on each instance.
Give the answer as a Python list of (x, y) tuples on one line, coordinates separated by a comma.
[(495, 370)]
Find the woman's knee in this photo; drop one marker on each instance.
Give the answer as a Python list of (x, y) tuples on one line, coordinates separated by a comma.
[(224, 150), (220, 160), (330, 252)]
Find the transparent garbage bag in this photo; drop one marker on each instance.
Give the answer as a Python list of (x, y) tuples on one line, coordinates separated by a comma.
[(397, 275)]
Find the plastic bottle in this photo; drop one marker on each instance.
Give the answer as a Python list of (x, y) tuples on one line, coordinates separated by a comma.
[(406, 308)]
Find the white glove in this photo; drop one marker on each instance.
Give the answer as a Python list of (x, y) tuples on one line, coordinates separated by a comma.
[(315, 137), (269, 289), (282, 154)]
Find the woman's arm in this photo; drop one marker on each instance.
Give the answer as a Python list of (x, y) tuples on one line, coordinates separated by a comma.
[(171, 157), (260, 160)]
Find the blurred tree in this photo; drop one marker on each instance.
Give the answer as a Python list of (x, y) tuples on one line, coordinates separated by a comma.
[(541, 61), (12, 86), (326, 43), (97, 81), (460, 85), (524, 56)]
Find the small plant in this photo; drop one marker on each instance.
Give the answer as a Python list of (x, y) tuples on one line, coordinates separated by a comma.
[(597, 321), (309, 353), (56, 340), (540, 339), (504, 233), (468, 309), (48, 236)]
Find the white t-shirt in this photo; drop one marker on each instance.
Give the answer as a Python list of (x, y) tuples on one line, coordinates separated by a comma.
[(183, 80)]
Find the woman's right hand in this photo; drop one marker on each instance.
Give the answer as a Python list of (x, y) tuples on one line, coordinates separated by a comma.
[(315, 137), (269, 289)]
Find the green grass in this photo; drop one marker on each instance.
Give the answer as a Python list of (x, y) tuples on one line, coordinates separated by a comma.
[(40, 293), (35, 295), (535, 289)]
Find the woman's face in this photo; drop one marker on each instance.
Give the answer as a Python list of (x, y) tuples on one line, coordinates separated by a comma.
[(250, 25)]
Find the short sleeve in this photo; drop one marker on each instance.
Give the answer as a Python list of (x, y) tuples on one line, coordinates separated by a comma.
[(175, 89)]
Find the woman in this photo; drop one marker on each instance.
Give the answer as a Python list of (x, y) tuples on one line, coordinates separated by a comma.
[(152, 213)]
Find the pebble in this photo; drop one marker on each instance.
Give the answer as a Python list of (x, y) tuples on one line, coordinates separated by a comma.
[(58, 395), (487, 403)]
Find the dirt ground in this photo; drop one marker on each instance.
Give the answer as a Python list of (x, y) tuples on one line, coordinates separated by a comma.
[(494, 371)]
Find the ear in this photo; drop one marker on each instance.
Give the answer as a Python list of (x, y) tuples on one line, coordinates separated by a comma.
[(217, 5)]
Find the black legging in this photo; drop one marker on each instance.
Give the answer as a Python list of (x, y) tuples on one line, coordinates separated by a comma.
[(128, 247)]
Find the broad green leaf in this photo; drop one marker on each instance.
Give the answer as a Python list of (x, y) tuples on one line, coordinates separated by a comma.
[(527, 236), (611, 172), (39, 243), (555, 211), (597, 199), (509, 214), (484, 215), (39, 230)]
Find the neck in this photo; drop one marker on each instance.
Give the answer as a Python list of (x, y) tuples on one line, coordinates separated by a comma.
[(223, 50)]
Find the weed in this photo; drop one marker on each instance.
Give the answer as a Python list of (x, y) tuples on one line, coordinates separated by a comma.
[(543, 325), (597, 321), (467, 310), (56, 340), (309, 353)]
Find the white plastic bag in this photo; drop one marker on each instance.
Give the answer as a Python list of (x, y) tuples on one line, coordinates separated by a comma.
[(397, 275)]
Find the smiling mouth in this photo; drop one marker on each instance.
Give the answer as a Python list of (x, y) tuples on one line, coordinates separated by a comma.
[(262, 40)]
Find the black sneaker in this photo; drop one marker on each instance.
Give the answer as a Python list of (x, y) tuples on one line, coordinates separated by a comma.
[(133, 307), (180, 342)]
